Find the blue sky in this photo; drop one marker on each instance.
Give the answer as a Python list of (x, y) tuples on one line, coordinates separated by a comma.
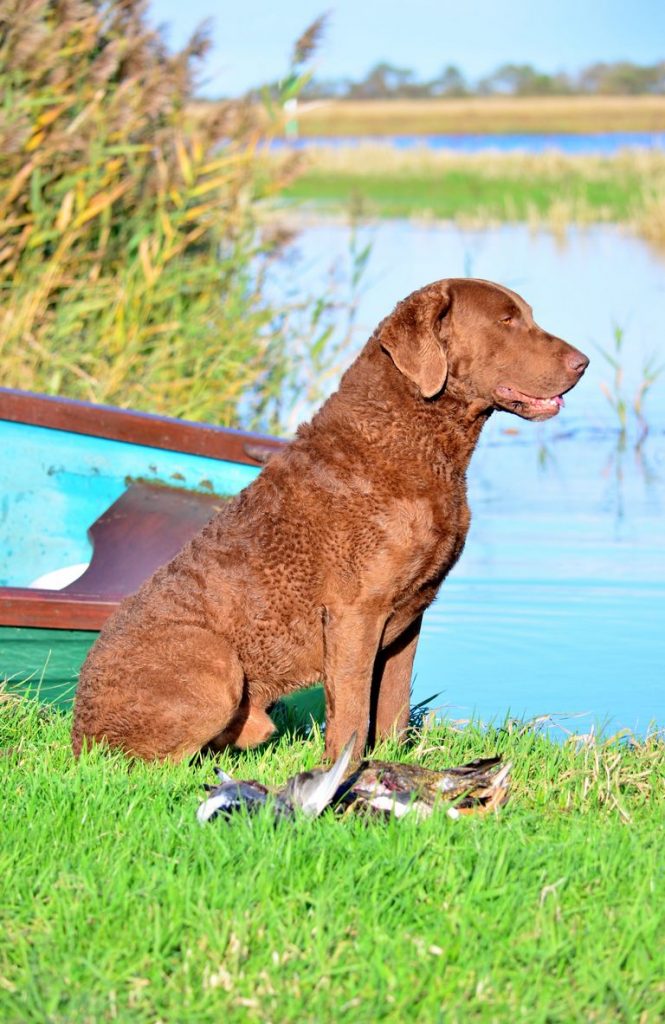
[(253, 38)]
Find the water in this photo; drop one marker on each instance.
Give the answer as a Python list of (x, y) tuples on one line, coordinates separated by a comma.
[(558, 602), (596, 143), (582, 287)]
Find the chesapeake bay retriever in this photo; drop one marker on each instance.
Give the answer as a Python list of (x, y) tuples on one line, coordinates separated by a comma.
[(321, 569)]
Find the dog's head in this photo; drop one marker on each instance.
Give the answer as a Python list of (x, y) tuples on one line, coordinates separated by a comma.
[(480, 340)]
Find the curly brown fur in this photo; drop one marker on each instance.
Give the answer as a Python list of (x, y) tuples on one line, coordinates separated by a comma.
[(323, 566)]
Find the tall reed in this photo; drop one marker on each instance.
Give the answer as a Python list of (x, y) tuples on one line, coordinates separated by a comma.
[(128, 219)]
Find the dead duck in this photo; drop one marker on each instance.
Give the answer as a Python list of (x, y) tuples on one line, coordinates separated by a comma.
[(391, 788), (307, 792), (383, 788)]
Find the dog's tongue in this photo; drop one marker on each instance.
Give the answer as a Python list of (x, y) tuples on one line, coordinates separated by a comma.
[(559, 401)]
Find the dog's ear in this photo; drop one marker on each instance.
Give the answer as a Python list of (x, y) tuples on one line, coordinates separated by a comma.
[(414, 336)]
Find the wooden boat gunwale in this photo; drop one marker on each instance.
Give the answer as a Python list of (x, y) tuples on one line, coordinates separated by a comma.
[(58, 609), (134, 427)]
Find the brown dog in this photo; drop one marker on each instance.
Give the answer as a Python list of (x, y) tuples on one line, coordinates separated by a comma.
[(323, 566)]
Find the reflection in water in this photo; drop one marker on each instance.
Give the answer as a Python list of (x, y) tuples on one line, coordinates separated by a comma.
[(558, 602)]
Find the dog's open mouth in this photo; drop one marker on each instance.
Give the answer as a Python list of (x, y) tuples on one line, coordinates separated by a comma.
[(528, 406)]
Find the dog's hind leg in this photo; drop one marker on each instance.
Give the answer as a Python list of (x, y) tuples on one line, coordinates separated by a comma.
[(163, 707), (250, 727)]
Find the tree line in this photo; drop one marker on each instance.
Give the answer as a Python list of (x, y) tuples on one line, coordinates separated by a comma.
[(388, 81)]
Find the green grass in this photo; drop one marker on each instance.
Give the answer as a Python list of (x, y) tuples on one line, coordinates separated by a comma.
[(458, 193), (117, 905), (482, 189)]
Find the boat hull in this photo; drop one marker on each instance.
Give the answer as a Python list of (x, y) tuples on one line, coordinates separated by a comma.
[(94, 499), (44, 663)]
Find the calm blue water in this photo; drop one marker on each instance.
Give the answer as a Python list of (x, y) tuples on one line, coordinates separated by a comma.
[(558, 602), (598, 143)]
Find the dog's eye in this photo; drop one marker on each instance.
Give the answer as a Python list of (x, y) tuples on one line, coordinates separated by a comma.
[(506, 319)]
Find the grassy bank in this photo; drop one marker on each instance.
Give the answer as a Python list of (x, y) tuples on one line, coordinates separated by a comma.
[(117, 905), (489, 114), (488, 187)]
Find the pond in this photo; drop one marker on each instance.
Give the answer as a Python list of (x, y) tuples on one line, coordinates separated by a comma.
[(578, 144), (557, 606)]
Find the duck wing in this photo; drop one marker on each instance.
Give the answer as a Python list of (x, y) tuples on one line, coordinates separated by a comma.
[(312, 791), (388, 788)]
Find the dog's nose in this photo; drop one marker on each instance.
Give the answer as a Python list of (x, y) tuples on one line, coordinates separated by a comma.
[(577, 362)]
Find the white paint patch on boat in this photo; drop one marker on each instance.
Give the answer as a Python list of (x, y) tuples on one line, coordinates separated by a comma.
[(59, 578)]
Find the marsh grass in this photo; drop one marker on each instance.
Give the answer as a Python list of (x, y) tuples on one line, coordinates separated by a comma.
[(117, 905), (493, 115), (132, 261), (477, 190)]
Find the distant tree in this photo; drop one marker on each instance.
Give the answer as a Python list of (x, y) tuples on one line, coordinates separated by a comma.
[(451, 82), (524, 80), (327, 88), (385, 81), (623, 78)]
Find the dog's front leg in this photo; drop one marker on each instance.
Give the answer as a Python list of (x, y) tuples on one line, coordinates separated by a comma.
[(351, 638), (391, 687)]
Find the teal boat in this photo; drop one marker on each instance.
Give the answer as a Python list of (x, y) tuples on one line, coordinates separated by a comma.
[(93, 500)]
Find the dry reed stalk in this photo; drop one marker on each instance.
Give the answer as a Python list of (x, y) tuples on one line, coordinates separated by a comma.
[(128, 224), (490, 114)]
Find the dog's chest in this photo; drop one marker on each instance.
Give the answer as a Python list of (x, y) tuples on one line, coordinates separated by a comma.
[(424, 538)]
